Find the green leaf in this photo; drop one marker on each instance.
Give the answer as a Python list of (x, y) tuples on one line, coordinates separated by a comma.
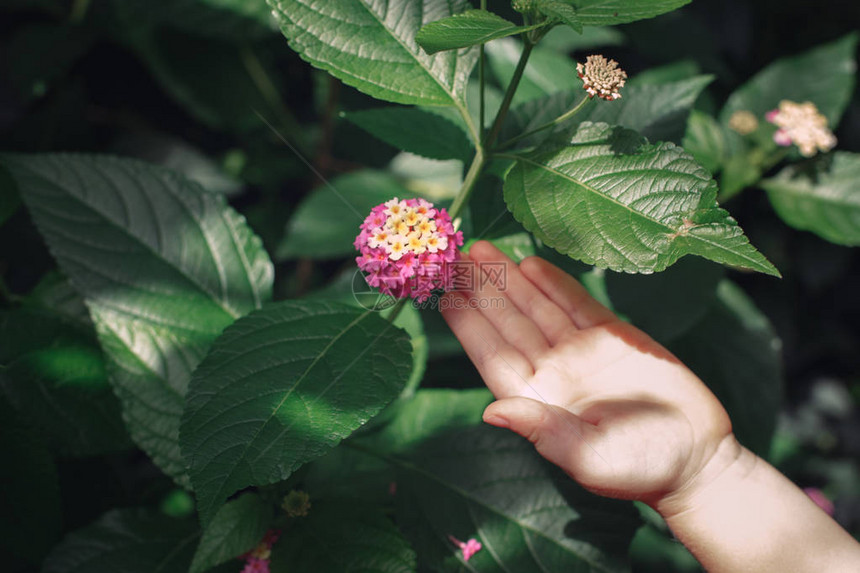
[(668, 304), (736, 352), (823, 75), (371, 46), (704, 140), (163, 265), (327, 221), (415, 130), (56, 379), (127, 540), (658, 112), (30, 497), (547, 72), (236, 528), (468, 28), (564, 40), (825, 201), (611, 12), (345, 537), (55, 293), (491, 485), (562, 12), (283, 386), (609, 198)]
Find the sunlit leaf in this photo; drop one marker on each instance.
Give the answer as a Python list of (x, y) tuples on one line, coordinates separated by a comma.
[(468, 28), (607, 197), (163, 265), (283, 386), (371, 45)]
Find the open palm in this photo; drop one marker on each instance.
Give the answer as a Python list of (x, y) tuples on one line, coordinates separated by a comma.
[(596, 396)]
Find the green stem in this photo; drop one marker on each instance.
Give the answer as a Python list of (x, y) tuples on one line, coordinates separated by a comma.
[(481, 82), (468, 184), (509, 94), (560, 119), (267, 89)]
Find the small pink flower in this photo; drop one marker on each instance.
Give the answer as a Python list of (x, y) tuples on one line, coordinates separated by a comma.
[(469, 548), (405, 246), (257, 560), (820, 499)]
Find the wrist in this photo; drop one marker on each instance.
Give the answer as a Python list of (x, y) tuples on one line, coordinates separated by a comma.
[(730, 465)]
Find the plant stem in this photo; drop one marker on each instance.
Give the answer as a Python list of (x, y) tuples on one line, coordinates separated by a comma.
[(560, 119), (509, 94), (481, 83), (468, 184)]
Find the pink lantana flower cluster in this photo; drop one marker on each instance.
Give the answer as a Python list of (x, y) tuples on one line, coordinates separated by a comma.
[(468, 548), (803, 125), (405, 247), (257, 560)]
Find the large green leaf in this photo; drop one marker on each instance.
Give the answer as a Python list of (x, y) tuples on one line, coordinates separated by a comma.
[(610, 12), (327, 222), (491, 485), (345, 537), (370, 45), (608, 198), (824, 76), (736, 352), (415, 130), (163, 265), (658, 112), (283, 386), (825, 201), (237, 528), (56, 379), (469, 28), (127, 540)]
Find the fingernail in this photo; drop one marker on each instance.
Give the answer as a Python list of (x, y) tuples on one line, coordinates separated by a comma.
[(497, 421)]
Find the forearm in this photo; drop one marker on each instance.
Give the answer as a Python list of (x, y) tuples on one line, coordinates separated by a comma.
[(741, 514)]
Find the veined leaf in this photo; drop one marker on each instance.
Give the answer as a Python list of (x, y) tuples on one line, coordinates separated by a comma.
[(491, 485), (346, 537), (736, 352), (468, 28), (371, 45), (610, 12), (163, 266), (826, 202), (658, 112), (823, 75), (237, 528), (283, 386), (415, 130), (127, 540), (608, 198)]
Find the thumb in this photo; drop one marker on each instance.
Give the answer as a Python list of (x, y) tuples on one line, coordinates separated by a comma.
[(558, 435)]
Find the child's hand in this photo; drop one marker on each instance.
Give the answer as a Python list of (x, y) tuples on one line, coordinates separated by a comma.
[(596, 396), (626, 419)]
